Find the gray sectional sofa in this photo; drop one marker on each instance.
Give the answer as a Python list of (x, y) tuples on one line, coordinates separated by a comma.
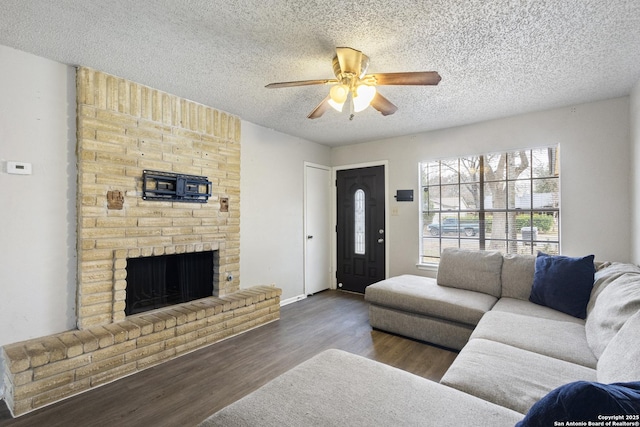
[(513, 352)]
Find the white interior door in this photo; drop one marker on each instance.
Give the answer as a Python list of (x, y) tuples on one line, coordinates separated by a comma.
[(317, 235)]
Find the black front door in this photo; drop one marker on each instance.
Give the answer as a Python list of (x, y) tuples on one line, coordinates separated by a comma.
[(360, 227)]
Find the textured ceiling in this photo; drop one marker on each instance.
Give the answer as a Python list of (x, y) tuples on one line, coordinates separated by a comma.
[(496, 58)]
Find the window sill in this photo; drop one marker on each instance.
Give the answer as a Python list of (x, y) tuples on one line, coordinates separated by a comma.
[(428, 267)]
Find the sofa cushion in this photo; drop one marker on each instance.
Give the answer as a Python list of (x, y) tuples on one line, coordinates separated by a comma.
[(584, 401), (471, 270), (527, 308), (517, 275), (336, 388), (620, 360), (554, 338), (612, 308), (563, 283), (510, 376), (422, 295)]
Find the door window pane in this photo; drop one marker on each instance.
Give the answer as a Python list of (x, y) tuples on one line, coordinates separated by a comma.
[(359, 222)]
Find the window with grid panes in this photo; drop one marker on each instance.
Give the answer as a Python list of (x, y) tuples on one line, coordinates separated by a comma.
[(509, 202)]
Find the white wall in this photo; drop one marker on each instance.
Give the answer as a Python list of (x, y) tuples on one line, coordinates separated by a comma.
[(594, 156), (271, 213), (635, 172), (37, 212)]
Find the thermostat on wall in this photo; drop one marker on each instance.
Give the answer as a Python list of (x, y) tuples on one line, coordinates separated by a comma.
[(19, 168)]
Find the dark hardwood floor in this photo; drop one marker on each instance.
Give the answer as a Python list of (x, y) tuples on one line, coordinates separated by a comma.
[(186, 390)]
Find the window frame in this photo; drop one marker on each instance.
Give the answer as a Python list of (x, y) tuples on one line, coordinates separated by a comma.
[(514, 175)]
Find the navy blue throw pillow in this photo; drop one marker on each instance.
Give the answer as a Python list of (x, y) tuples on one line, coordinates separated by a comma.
[(584, 401), (563, 283)]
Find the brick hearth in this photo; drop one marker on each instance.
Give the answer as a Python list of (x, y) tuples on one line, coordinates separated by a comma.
[(45, 370)]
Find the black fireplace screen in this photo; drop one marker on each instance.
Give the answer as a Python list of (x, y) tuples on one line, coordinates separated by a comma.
[(160, 281)]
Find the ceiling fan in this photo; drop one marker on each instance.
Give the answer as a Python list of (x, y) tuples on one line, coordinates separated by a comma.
[(352, 83)]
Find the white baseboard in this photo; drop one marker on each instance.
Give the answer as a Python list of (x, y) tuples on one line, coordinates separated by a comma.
[(290, 300)]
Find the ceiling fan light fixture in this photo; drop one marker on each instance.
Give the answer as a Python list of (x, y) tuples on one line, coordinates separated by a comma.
[(364, 94), (338, 95), (336, 106)]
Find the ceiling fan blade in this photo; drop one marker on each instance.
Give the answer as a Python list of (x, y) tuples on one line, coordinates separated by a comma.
[(411, 78), (350, 60), (383, 105), (320, 109), (300, 83)]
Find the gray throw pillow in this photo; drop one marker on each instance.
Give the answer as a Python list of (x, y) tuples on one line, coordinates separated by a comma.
[(517, 276), (478, 271)]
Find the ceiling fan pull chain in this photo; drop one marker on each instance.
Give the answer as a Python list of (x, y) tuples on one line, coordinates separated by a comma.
[(351, 112)]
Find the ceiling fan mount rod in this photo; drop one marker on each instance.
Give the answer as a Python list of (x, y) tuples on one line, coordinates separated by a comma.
[(350, 61)]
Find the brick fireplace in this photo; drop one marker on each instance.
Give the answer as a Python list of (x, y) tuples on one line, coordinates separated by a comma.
[(124, 128)]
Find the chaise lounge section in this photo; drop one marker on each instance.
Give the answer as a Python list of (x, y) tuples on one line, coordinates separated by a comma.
[(443, 312)]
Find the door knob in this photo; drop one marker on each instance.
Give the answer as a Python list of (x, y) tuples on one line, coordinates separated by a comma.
[(380, 240), (309, 237)]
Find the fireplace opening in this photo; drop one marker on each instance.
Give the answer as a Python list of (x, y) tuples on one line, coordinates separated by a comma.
[(159, 281)]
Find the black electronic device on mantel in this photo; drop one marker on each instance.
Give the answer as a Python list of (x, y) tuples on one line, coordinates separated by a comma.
[(168, 186)]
